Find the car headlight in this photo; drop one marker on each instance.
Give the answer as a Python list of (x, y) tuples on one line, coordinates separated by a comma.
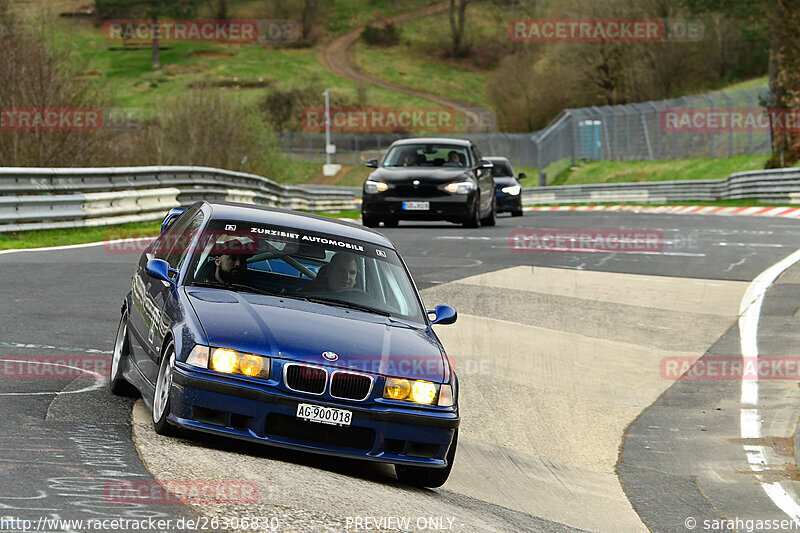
[(417, 391), (229, 361), (513, 190), (374, 187), (460, 187)]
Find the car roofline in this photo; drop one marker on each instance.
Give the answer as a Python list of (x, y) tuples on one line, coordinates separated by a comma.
[(433, 140)]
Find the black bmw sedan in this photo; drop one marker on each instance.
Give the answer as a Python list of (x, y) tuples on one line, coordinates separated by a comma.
[(508, 187), (430, 179)]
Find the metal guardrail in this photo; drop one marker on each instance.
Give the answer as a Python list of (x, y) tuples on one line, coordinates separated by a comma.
[(46, 198), (773, 186)]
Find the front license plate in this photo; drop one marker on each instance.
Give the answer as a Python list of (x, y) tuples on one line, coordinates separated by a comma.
[(416, 206), (324, 415)]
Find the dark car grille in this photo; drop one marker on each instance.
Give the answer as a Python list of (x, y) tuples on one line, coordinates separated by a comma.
[(350, 386), (420, 191), (304, 378), (344, 436)]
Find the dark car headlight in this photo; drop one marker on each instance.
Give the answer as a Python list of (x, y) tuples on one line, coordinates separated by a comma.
[(374, 187), (460, 187), (418, 391), (513, 190), (229, 361)]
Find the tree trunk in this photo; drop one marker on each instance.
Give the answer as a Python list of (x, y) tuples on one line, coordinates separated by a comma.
[(222, 9), (457, 23), (307, 17), (784, 83)]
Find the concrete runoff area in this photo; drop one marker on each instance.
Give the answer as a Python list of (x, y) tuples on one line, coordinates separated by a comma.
[(546, 396)]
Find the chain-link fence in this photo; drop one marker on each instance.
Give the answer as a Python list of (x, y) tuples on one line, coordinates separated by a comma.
[(356, 148), (720, 124)]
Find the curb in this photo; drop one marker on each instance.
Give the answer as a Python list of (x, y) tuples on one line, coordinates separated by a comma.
[(790, 212)]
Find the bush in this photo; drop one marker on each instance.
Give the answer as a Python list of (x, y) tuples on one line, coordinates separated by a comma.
[(386, 35), (283, 107), (209, 128)]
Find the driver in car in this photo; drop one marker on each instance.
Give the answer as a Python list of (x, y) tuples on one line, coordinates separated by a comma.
[(452, 159), (229, 266)]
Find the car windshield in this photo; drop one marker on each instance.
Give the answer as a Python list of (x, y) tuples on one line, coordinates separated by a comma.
[(501, 170), (294, 263), (427, 155)]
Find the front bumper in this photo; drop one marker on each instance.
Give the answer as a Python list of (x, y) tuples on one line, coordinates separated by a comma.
[(455, 207), (508, 203), (262, 413)]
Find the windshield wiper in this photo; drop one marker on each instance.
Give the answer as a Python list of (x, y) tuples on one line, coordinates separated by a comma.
[(239, 286), (345, 303)]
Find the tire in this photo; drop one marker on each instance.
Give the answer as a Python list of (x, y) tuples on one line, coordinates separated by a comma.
[(420, 476), (490, 219), (369, 221), (473, 219), (161, 396), (118, 385), (517, 212)]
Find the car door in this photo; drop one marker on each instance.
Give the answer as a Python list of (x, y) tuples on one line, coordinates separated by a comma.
[(172, 246), (485, 181)]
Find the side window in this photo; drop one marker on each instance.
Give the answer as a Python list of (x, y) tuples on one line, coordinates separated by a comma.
[(166, 241), (476, 155), (183, 240)]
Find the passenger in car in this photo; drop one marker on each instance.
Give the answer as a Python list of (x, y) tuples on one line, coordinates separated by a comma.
[(342, 272)]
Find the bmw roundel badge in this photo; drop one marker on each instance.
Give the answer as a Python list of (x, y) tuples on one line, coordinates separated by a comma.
[(330, 356)]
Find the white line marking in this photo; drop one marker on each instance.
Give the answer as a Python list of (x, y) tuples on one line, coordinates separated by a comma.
[(47, 249), (749, 312)]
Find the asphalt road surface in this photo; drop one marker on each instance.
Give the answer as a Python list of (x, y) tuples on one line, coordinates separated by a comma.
[(569, 420)]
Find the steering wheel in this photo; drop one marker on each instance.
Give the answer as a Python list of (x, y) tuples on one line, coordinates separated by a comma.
[(355, 292)]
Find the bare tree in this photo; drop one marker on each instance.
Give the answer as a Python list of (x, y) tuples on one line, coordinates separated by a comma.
[(38, 75)]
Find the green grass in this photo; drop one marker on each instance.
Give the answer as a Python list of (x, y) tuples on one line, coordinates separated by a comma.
[(637, 171), (418, 61), (418, 70), (63, 237), (347, 15), (60, 237), (754, 83), (139, 89)]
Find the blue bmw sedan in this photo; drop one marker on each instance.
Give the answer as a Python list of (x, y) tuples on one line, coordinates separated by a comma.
[(293, 330)]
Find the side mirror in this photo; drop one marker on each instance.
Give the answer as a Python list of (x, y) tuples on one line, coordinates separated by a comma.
[(486, 164), (159, 269), (173, 214), (522, 175), (443, 314), (372, 163)]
